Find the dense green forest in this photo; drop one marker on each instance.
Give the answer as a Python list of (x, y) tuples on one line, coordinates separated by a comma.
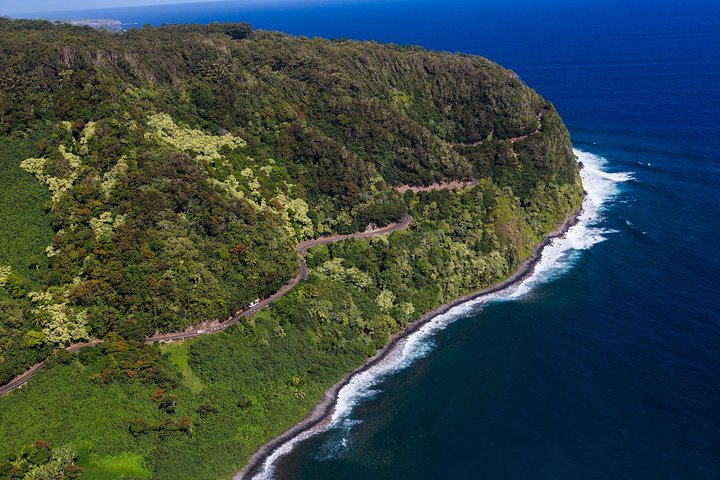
[(161, 177)]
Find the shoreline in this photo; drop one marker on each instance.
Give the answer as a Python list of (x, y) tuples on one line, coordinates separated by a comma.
[(320, 415)]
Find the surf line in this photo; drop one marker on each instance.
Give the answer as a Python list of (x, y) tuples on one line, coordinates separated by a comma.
[(324, 413), (402, 348)]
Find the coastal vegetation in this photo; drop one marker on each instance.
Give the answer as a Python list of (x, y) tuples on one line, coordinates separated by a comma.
[(163, 177), (38, 461)]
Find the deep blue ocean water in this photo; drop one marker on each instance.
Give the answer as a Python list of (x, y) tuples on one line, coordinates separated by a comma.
[(609, 367)]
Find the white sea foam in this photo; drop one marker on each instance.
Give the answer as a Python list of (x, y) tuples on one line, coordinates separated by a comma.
[(556, 258), (560, 255), (338, 440)]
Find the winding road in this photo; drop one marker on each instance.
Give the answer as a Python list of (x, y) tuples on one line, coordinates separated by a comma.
[(513, 140), (217, 326)]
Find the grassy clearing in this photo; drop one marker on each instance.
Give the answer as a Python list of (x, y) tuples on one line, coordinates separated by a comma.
[(178, 355), (114, 467)]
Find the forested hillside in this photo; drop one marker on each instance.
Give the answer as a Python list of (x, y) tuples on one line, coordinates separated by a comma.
[(161, 177)]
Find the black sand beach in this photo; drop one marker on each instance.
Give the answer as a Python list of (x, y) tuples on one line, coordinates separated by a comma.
[(320, 415)]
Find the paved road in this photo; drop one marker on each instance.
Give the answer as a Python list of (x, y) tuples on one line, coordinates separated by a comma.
[(538, 117), (22, 379), (217, 326)]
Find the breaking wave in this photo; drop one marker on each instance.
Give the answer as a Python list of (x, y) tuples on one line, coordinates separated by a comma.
[(556, 258), (560, 255)]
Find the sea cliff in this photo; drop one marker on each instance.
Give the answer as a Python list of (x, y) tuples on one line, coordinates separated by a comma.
[(174, 171)]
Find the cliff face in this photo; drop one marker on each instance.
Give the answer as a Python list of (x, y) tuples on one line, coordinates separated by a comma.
[(181, 165)]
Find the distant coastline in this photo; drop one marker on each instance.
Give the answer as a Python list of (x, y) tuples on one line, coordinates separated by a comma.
[(321, 414), (98, 24), (107, 24)]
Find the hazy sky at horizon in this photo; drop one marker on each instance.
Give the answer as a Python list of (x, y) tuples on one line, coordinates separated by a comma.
[(13, 7), (46, 8)]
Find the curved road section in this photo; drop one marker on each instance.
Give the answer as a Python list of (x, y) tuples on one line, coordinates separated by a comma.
[(217, 326)]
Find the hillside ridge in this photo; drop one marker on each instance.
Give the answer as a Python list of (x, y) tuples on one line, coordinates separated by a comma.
[(171, 173)]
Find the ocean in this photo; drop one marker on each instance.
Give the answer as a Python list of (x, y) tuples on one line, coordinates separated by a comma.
[(605, 364)]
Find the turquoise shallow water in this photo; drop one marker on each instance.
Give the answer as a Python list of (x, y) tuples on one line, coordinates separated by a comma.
[(608, 366)]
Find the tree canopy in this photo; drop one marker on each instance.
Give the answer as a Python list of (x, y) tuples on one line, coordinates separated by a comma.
[(162, 177)]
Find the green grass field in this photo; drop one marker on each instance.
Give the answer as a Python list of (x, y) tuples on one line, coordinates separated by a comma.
[(178, 356), (124, 465)]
